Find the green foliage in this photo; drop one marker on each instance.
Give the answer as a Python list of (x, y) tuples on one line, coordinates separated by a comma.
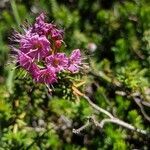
[(133, 76), (135, 118), (31, 118), (112, 139)]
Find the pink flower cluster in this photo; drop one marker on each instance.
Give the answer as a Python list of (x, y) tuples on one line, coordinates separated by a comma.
[(38, 52)]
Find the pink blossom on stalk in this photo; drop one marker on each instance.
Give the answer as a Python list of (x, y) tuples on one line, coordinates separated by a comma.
[(47, 76), (37, 51), (74, 61), (35, 46), (59, 61)]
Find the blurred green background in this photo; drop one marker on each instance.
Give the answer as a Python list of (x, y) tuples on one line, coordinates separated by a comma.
[(115, 36)]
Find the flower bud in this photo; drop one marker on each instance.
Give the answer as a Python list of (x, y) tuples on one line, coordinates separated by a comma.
[(58, 43)]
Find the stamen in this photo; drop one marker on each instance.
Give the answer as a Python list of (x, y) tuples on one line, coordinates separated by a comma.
[(31, 51), (38, 56)]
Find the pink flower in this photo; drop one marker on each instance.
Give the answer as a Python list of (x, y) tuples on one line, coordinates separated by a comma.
[(35, 46), (40, 26), (27, 63), (74, 61), (59, 61), (43, 28), (47, 76)]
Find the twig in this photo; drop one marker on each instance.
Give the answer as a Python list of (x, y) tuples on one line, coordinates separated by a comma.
[(97, 107), (138, 102), (147, 104), (116, 86), (111, 119), (121, 123), (77, 131)]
